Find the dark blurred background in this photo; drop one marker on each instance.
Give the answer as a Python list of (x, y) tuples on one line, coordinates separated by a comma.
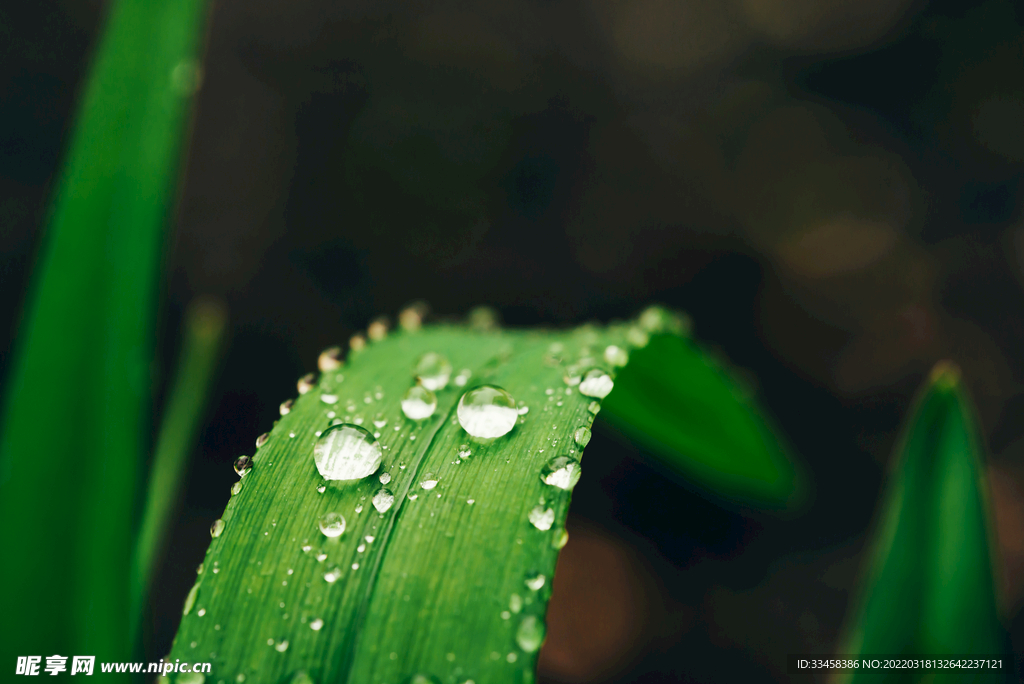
[(832, 188)]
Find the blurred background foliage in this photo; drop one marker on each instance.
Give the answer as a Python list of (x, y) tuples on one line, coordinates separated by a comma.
[(832, 189)]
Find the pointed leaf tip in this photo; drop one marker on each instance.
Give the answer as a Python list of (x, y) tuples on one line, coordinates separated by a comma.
[(945, 375)]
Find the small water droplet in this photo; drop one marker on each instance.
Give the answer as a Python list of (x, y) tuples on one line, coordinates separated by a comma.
[(332, 524), (422, 679), (329, 398), (637, 336), (505, 615), (262, 439), (385, 478), (243, 464), (582, 436), (530, 634), (542, 518), (301, 677), (383, 500), (359, 508), (535, 582), (281, 646), (332, 575), (594, 407), (413, 497), (560, 539), (483, 318), (515, 603), (329, 359), (369, 538), (191, 598), (357, 343), (235, 488), (306, 383), (378, 329), (355, 566), (617, 356), (410, 319), (562, 472), (307, 548), (321, 557), (487, 412), (428, 481), (321, 489), (596, 383), (523, 410), (316, 625), (216, 528), (346, 452), (190, 677), (432, 371), (201, 612), (419, 403), (380, 420), (286, 407), (512, 657), (470, 501), (360, 548)]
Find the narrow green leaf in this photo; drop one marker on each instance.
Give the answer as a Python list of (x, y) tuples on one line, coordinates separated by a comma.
[(205, 321), (73, 420), (930, 587), (452, 581), (674, 400)]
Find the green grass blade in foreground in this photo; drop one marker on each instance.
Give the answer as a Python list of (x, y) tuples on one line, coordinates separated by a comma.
[(929, 586), (75, 400), (205, 322), (675, 401), (452, 581)]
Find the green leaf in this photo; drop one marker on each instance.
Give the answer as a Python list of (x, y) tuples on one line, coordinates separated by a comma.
[(75, 401), (929, 586), (204, 330), (676, 401)]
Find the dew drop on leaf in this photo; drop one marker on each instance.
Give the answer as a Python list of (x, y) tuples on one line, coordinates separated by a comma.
[(262, 439), (332, 524), (581, 436), (329, 360), (562, 472), (515, 603), (535, 582), (594, 407), (316, 625), (380, 420), (243, 464), (596, 383), (560, 539), (383, 500), (281, 646), (428, 481), (301, 677), (487, 412), (216, 528), (433, 370), (329, 398), (419, 403), (190, 600), (286, 407), (542, 518), (190, 678), (530, 634), (617, 356), (385, 478), (422, 679), (306, 383), (346, 452)]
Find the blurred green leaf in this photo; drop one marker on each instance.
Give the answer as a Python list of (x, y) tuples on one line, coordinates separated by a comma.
[(677, 402), (929, 587), (73, 427), (205, 321)]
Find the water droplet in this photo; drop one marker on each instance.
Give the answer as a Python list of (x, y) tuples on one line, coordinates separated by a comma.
[(202, 612), (359, 508), (385, 478), (357, 343), (301, 677), (505, 615), (617, 356), (190, 678), (332, 575), (355, 566), (410, 319), (262, 439), (281, 646), (433, 370), (306, 383), (380, 420), (483, 318), (487, 412), (332, 524), (378, 329), (243, 464), (360, 548), (637, 336), (191, 598), (329, 398), (321, 489), (306, 548), (470, 501), (316, 625), (582, 436), (530, 634), (346, 452), (596, 383), (369, 539), (573, 375), (523, 410), (329, 359), (383, 500), (562, 472), (321, 557), (594, 407), (535, 582), (542, 518), (560, 539), (515, 603), (216, 528), (413, 497), (286, 407), (422, 679), (428, 481), (419, 403)]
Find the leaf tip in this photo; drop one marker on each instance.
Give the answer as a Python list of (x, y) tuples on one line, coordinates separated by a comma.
[(945, 375)]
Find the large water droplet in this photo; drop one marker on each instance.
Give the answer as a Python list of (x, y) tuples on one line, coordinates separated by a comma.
[(582, 436), (530, 634), (190, 600), (433, 371), (306, 383), (385, 478), (542, 518), (428, 481), (216, 528), (243, 464), (487, 412), (535, 582), (562, 472), (596, 383), (332, 524), (419, 403), (346, 452), (383, 500), (330, 359)]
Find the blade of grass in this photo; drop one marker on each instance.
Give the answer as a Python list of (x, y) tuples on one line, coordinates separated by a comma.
[(686, 410), (453, 580), (929, 586), (72, 428), (205, 323)]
